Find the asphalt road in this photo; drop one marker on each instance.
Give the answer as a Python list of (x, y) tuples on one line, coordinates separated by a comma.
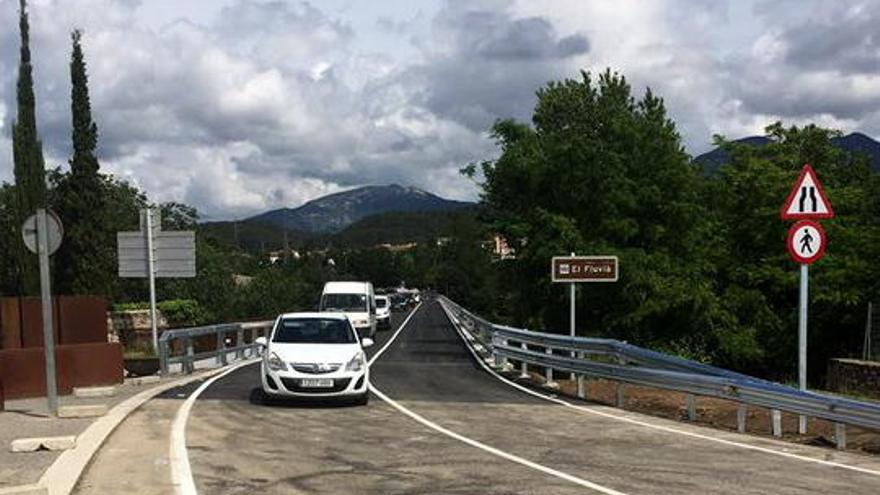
[(454, 428)]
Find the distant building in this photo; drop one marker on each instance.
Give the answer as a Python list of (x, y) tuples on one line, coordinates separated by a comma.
[(501, 248), (276, 256), (397, 248)]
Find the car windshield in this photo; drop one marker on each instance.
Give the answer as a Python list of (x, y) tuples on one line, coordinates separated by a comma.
[(344, 302), (381, 302), (314, 331)]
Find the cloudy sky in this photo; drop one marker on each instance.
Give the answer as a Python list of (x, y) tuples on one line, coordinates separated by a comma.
[(238, 106)]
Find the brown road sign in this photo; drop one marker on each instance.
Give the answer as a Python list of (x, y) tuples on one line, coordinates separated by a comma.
[(584, 269)]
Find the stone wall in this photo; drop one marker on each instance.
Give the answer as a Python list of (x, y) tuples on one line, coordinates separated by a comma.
[(854, 376), (133, 327)]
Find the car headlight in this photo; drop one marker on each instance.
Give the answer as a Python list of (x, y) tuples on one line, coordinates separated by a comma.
[(275, 363), (357, 363)]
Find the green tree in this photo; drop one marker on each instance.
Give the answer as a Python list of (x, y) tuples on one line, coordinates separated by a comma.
[(600, 172), (27, 150), (86, 260), (757, 281)]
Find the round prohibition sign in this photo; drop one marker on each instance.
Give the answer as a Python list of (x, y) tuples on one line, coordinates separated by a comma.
[(806, 242)]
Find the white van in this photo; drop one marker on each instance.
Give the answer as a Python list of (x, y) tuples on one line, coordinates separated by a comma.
[(356, 300)]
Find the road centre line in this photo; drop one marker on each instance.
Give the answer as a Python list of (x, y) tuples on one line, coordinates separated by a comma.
[(181, 471), (474, 443), (396, 333), (583, 410)]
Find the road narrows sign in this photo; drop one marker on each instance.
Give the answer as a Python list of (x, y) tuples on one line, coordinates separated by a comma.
[(807, 200), (806, 242)]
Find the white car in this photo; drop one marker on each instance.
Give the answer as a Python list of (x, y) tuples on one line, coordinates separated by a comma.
[(315, 355), (383, 311)]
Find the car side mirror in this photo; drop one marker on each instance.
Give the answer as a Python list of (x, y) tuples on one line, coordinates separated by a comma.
[(261, 341), (367, 342)]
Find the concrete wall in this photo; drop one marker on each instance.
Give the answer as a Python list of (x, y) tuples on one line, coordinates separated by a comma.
[(854, 376)]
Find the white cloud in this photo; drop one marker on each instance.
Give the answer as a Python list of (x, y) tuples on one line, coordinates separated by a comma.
[(240, 106)]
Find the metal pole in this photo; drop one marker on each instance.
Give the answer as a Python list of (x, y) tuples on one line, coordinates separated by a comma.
[(802, 340), (46, 297), (151, 268), (572, 315), (866, 347)]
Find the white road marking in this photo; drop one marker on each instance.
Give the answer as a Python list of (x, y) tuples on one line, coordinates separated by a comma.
[(667, 429), (181, 472), (492, 450), (393, 337), (474, 443)]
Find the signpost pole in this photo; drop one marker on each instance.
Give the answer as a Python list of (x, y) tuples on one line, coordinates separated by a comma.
[(802, 340), (573, 311), (46, 297), (151, 269)]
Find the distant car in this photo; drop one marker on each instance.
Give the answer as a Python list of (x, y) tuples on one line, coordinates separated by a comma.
[(398, 303), (383, 311), (315, 355)]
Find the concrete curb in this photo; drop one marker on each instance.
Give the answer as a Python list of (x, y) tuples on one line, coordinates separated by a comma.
[(63, 474)]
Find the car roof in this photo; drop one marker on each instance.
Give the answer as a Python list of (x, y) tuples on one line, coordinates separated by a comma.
[(345, 287), (330, 315)]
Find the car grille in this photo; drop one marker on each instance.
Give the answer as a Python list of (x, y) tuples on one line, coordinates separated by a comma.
[(292, 384), (316, 368)]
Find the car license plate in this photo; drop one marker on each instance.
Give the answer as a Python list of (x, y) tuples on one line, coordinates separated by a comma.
[(316, 382)]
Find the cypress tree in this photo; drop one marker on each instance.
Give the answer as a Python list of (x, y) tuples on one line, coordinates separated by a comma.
[(85, 260), (27, 150)]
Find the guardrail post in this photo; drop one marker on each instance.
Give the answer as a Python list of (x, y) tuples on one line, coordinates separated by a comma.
[(776, 422), (691, 402), (221, 346), (741, 416), (840, 435), (523, 367), (188, 364), (621, 387), (802, 424), (239, 341), (163, 357), (582, 385), (548, 371)]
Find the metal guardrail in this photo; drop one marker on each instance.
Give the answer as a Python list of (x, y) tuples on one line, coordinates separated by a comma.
[(622, 362), (243, 345)]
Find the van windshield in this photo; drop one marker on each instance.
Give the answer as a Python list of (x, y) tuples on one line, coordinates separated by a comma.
[(314, 331), (353, 303), (381, 302)]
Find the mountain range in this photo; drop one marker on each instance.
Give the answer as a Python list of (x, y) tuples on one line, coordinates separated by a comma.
[(337, 211), (852, 143)]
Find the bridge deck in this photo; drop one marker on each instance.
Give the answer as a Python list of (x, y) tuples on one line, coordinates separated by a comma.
[(237, 445)]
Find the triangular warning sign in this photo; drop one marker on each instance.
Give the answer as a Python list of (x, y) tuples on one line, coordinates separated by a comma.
[(807, 199)]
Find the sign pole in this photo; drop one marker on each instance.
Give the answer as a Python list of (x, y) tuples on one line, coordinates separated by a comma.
[(46, 297), (802, 340), (151, 269), (572, 325)]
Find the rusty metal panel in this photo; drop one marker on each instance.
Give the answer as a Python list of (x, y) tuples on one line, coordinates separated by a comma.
[(82, 319), (24, 375), (10, 323), (32, 322)]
